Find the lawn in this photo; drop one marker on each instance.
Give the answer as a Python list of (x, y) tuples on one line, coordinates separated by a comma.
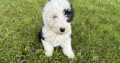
[(95, 38)]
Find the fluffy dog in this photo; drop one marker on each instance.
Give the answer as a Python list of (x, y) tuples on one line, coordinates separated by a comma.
[(56, 27)]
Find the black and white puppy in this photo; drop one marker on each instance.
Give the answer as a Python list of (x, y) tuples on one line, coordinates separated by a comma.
[(56, 30)]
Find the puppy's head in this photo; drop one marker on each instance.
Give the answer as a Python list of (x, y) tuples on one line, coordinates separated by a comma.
[(57, 16)]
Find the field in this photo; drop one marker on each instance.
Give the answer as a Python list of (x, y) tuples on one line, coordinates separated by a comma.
[(95, 38)]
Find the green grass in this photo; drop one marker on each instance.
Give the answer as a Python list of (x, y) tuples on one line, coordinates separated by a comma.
[(96, 32)]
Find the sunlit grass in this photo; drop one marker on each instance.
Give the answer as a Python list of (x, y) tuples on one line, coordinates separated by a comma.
[(95, 38)]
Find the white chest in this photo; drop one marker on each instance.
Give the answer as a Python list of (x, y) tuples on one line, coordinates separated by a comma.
[(56, 40)]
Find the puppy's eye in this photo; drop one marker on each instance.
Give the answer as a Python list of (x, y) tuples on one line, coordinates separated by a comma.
[(54, 16)]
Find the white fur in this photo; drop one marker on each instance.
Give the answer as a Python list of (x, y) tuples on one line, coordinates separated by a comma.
[(50, 30)]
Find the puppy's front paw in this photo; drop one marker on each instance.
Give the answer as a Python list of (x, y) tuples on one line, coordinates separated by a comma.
[(48, 54), (69, 54)]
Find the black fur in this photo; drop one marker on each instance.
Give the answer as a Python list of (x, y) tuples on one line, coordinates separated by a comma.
[(40, 35), (69, 14)]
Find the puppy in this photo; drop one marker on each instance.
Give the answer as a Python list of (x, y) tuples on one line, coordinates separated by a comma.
[(56, 27)]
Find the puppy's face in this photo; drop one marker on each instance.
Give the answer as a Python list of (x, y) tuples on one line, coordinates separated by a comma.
[(58, 19)]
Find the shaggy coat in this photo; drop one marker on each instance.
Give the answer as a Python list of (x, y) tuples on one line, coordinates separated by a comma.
[(56, 29)]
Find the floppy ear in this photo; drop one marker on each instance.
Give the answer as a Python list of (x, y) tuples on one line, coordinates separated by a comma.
[(69, 13)]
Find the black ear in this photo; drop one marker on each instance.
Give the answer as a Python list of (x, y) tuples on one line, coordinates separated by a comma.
[(69, 13)]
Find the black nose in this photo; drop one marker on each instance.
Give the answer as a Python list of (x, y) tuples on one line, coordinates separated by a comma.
[(62, 29)]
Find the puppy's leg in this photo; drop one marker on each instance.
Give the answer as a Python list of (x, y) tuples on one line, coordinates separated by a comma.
[(48, 49), (67, 49)]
